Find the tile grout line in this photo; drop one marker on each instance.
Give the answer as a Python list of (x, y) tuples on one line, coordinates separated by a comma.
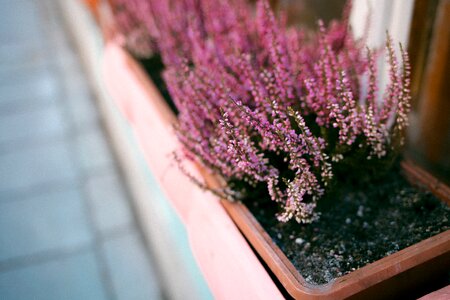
[(88, 210), (43, 257), (51, 186), (61, 252), (118, 168), (8, 147), (105, 275), (59, 66), (119, 172), (97, 238)]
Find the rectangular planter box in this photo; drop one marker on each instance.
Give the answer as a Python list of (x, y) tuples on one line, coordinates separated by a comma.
[(213, 233)]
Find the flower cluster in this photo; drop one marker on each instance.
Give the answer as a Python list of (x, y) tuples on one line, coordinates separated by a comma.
[(184, 30), (136, 36), (269, 106), (282, 108)]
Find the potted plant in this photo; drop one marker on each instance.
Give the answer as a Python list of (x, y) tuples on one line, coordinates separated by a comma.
[(258, 109)]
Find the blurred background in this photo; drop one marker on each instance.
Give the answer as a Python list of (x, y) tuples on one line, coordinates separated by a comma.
[(81, 217), (67, 230)]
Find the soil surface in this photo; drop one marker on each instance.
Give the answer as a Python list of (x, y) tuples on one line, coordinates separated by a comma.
[(357, 226)]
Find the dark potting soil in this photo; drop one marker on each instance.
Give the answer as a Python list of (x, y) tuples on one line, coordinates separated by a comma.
[(154, 68), (357, 226)]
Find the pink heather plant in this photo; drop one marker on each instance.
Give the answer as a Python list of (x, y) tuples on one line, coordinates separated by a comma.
[(155, 26), (139, 39), (284, 109), (185, 30)]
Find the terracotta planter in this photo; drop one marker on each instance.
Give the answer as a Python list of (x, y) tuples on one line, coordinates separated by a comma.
[(228, 263)]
